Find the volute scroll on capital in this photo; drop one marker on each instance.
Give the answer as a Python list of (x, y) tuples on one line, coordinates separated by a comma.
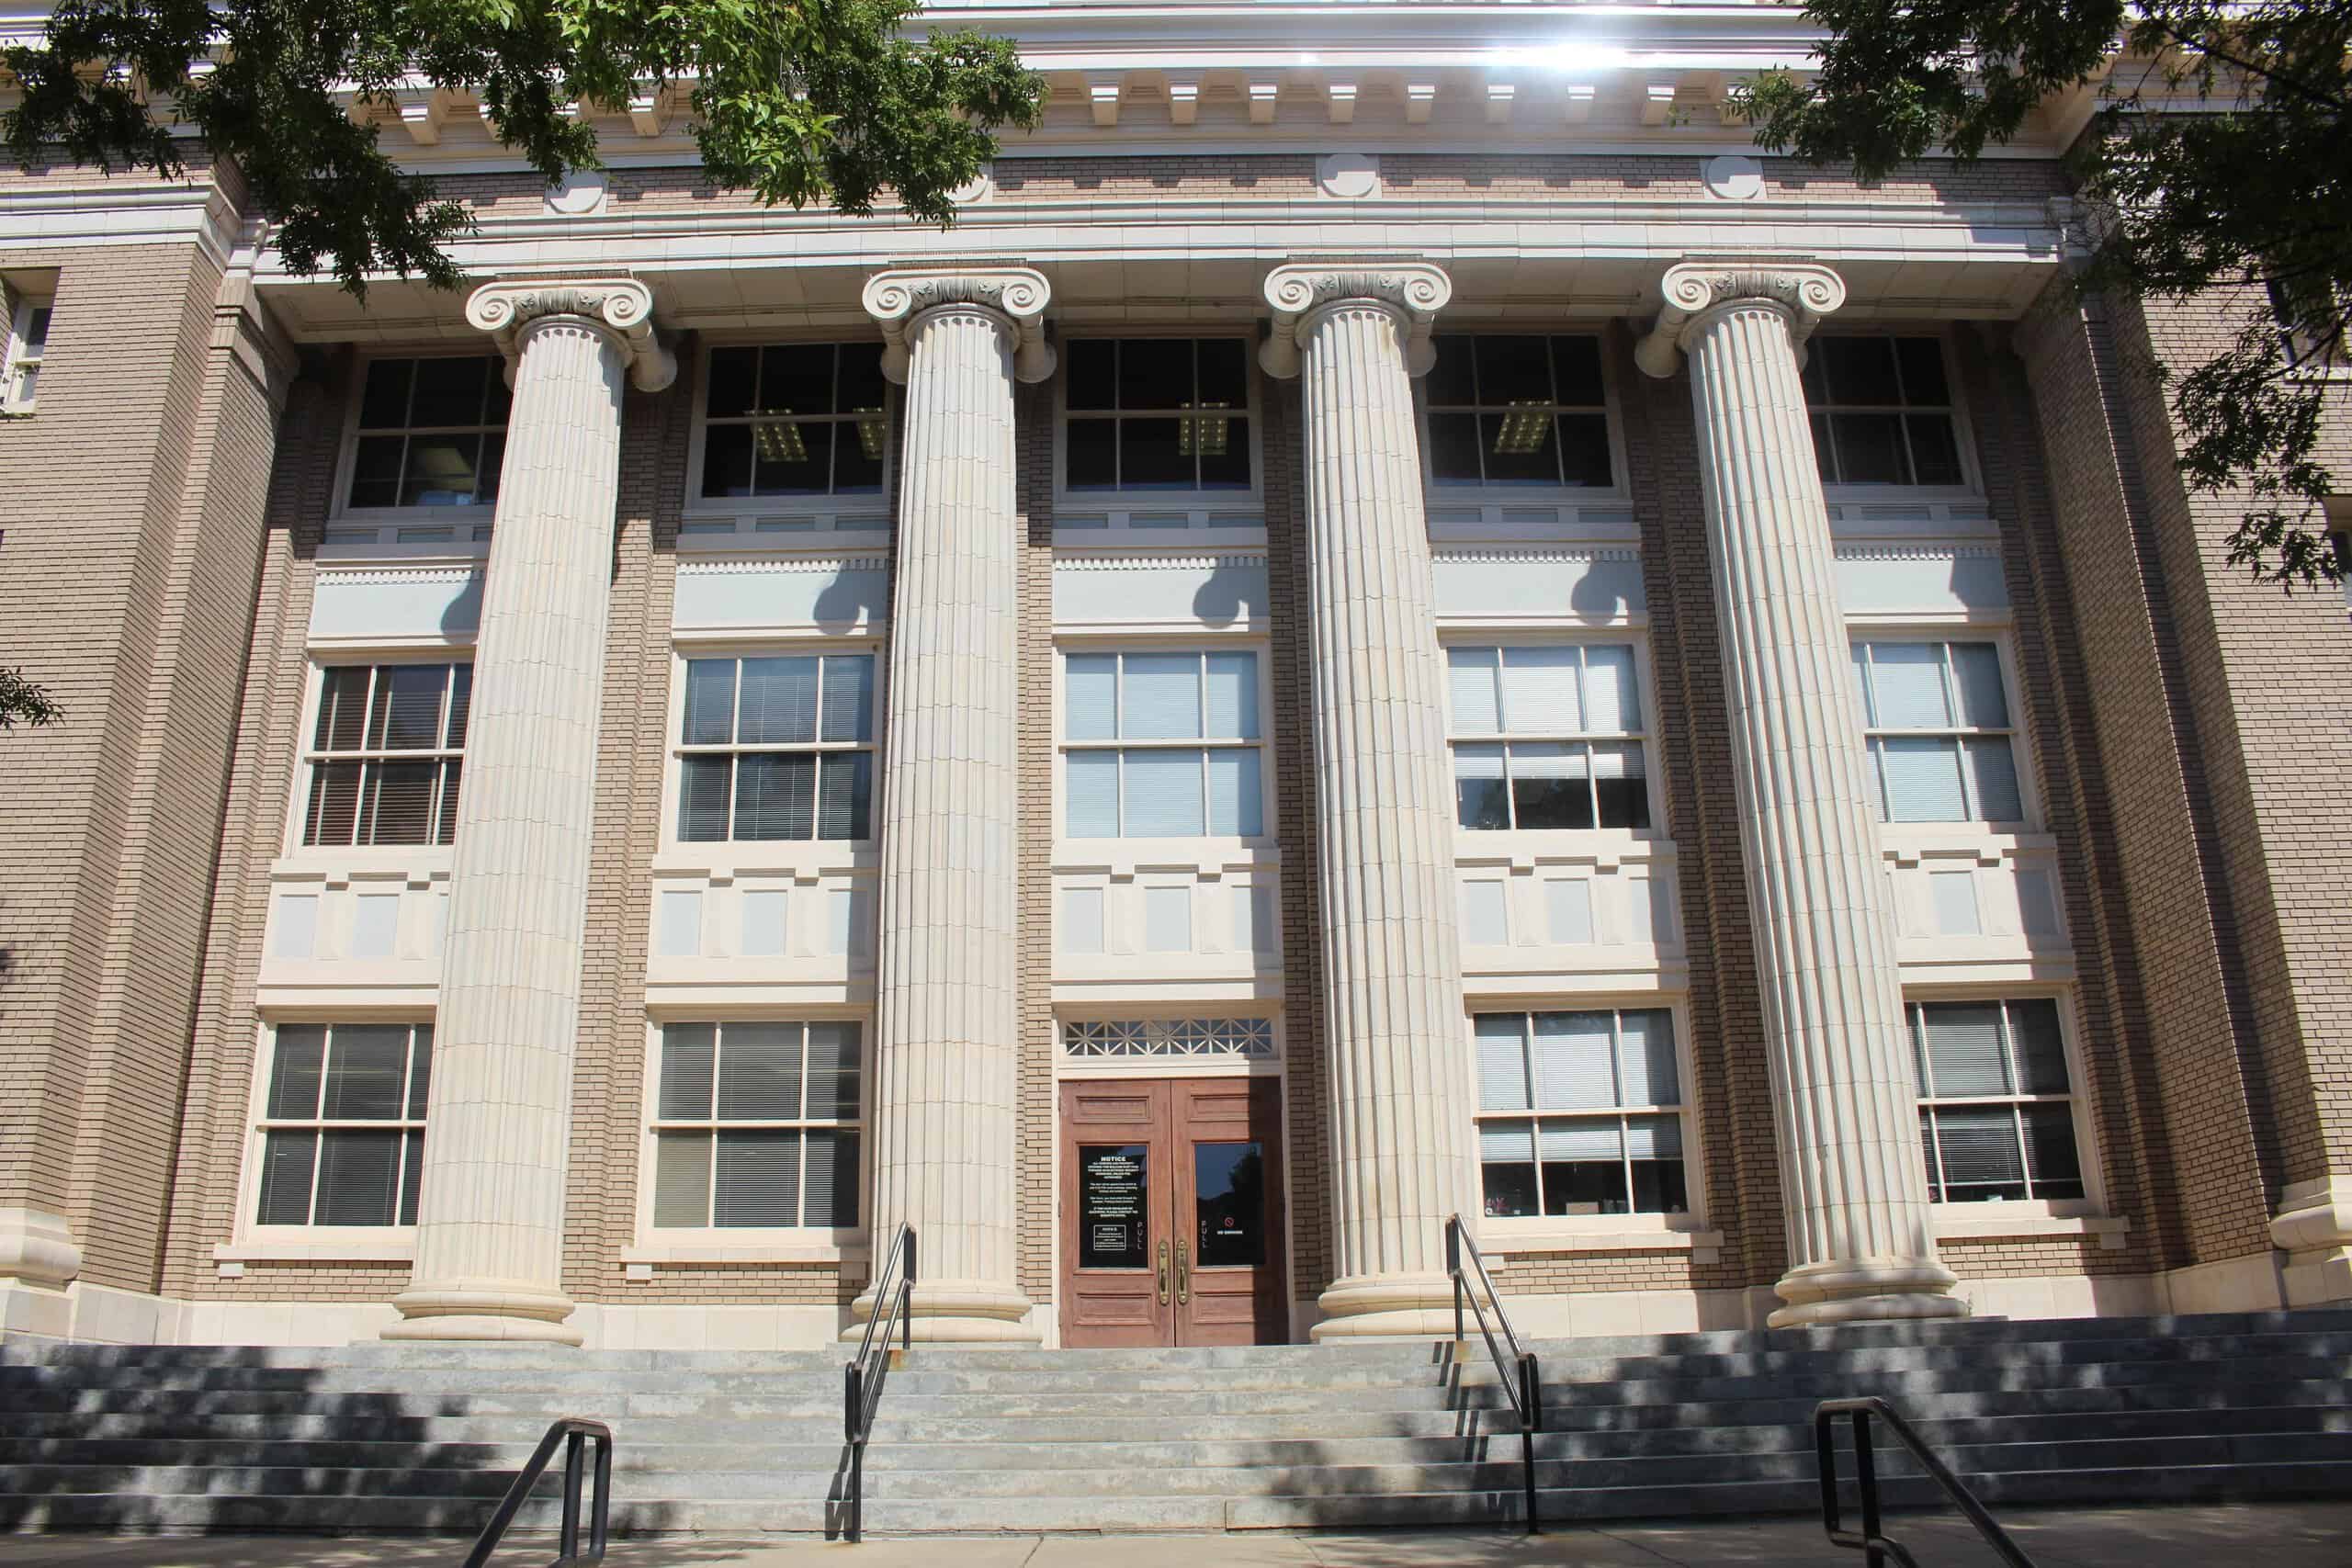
[(1414, 292), (1015, 296), (1804, 292), (620, 306)]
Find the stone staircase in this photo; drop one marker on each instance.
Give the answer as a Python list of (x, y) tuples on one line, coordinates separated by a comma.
[(383, 1438)]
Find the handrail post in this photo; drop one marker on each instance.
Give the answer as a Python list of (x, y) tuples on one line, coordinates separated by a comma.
[(1454, 1269), (852, 1407), (907, 1297), (1876, 1548), (1531, 1402), (1866, 1478), (575, 1452)]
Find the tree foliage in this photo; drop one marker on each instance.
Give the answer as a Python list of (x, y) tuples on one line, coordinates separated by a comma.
[(2218, 166), (22, 700), (796, 101)]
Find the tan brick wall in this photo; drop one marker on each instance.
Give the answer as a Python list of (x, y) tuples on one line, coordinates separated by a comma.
[(1035, 1165)]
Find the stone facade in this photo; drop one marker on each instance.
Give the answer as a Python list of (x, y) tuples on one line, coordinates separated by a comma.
[(191, 553)]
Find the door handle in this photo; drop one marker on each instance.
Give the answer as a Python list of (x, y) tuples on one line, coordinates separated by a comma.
[(1184, 1276), (1163, 1273)]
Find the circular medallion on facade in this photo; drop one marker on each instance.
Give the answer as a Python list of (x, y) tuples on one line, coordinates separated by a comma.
[(1349, 176), (1733, 178), (580, 193)]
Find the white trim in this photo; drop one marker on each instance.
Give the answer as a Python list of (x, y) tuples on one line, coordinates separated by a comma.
[(21, 354)]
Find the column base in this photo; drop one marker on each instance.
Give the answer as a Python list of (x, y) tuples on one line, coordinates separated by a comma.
[(1386, 1306), (1866, 1289), (478, 1310), (37, 1248), (2314, 1230), (975, 1313)]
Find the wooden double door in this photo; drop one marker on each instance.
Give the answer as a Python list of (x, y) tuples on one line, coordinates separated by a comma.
[(1171, 1212)]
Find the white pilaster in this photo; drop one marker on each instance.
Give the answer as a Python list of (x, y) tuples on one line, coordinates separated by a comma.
[(1846, 1107), (947, 1018), (1392, 967), (490, 1233)]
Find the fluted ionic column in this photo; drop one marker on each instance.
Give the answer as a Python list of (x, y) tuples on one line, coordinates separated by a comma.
[(1392, 962), (489, 1230), (1846, 1107), (948, 1021)]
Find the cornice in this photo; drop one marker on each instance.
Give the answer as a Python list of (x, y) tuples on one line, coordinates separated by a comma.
[(1805, 293), (1015, 297), (621, 307), (1414, 292)]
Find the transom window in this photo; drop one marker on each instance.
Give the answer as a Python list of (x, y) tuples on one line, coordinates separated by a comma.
[(1166, 414), (343, 1128), (796, 419), (756, 1126), (1938, 719), (777, 747), (386, 754), (1187, 764), (1997, 1110), (1882, 412), (1518, 411), (1580, 1113), (432, 432), (1569, 723), (27, 345)]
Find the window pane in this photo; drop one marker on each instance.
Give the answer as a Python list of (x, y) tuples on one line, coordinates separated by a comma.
[(1234, 809), (1575, 362), (445, 831), (1548, 788), (1572, 1065), (861, 387), (831, 1198), (791, 457), (1507, 1164), (734, 374), (1502, 1061), (1224, 447), (397, 806), (407, 715), (1869, 449), (689, 1053), (710, 702), (1976, 671), (360, 1177), (294, 1071), (1511, 370), (420, 1071), (1612, 704), (1645, 1058), (1471, 674), (1224, 373), (1521, 448), (849, 698), (1993, 776), (2040, 1048), (1539, 691), (2049, 1153), (1861, 369), (776, 794), (1964, 1049), (797, 379), (845, 796), (858, 449), (833, 1070), (727, 461), (1091, 696), (343, 708), (1922, 780), (366, 1066), (449, 392), (286, 1163), (1935, 454), (779, 701), (1233, 697), (1921, 360), (759, 1072), (1620, 791), (376, 470), (757, 1183), (681, 1180), (1584, 450), (1160, 696), (1090, 373), (412, 1176), (333, 814), (1163, 790), (1653, 1137), (461, 704), (1481, 801), (1658, 1187), (1981, 1154), (1453, 448), (1450, 381), (383, 404), (1907, 685), (703, 787), (440, 471), (1151, 455), (1091, 453), (1091, 780), (1824, 444), (1155, 373)]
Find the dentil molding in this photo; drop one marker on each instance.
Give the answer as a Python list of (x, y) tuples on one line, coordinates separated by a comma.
[(1015, 296), (1804, 292), (621, 306), (1414, 292)]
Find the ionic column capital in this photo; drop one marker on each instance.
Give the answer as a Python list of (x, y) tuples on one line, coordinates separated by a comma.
[(1414, 292), (1804, 294), (620, 307), (1014, 295)]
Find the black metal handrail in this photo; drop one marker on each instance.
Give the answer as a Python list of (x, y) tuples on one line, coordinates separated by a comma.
[(1521, 1380), (893, 1311), (1869, 1540), (575, 1434)]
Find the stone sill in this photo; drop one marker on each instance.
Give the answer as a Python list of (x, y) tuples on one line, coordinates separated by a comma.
[(397, 1247), (1974, 1223), (1526, 1244), (777, 1252)]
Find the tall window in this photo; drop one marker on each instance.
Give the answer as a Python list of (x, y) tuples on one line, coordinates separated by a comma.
[(1997, 1110), (385, 755), (757, 1125), (343, 1128), (28, 344), (1167, 413), (1518, 411), (1882, 412), (432, 432), (777, 747), (1186, 764), (1938, 718), (1567, 729), (798, 419), (1580, 1113), (2312, 317)]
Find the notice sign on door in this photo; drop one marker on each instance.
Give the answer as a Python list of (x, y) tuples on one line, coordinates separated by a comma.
[(1112, 1216)]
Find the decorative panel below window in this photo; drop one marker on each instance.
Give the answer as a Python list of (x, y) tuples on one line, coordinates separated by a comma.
[(1251, 1038)]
